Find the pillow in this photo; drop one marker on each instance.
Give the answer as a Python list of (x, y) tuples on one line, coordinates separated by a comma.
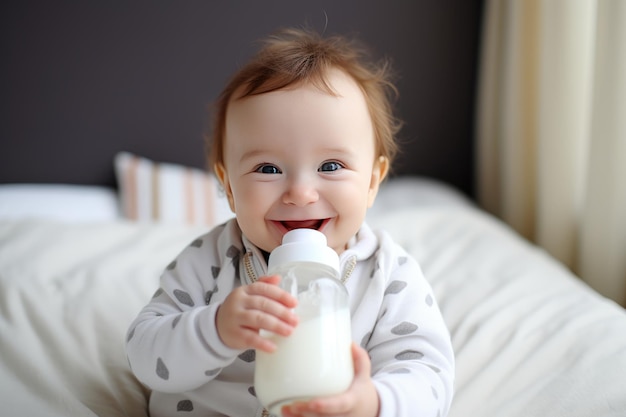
[(169, 193), (64, 202)]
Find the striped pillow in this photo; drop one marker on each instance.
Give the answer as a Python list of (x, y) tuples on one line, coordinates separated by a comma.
[(168, 193)]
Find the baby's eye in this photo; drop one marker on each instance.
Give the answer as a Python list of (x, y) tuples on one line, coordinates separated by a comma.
[(330, 166), (267, 169)]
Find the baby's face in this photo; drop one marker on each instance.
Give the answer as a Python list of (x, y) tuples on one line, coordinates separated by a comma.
[(301, 158)]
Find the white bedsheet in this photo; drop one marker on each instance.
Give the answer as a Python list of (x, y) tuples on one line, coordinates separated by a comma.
[(530, 338)]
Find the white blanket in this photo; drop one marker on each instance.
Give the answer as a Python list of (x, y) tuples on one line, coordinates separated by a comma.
[(530, 338)]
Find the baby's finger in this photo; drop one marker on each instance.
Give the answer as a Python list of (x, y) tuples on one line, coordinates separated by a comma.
[(264, 287), (327, 406), (253, 340), (260, 320), (270, 279), (267, 306)]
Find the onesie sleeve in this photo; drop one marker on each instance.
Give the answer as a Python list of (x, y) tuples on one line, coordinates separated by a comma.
[(410, 346), (173, 345)]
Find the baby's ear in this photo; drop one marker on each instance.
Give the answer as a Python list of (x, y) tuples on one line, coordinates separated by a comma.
[(222, 176), (379, 172)]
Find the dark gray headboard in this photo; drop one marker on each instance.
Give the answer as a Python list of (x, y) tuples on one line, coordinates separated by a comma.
[(85, 79)]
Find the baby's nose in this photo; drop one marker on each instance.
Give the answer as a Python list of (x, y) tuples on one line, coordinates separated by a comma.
[(300, 193)]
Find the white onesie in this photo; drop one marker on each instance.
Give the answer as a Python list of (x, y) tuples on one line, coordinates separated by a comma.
[(173, 346)]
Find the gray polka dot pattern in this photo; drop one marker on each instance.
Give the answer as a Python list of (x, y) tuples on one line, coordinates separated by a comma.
[(429, 300), (232, 252), (212, 372), (435, 394), (215, 271), (176, 320), (130, 335), (209, 295), (407, 355), (395, 287), (171, 266), (252, 391), (248, 356), (197, 243), (401, 371), (183, 297), (184, 405), (404, 328), (161, 370), (157, 293), (402, 260)]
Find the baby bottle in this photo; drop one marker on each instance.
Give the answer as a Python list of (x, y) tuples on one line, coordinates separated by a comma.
[(315, 360)]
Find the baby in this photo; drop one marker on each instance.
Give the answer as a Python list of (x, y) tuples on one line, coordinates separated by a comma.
[(303, 138)]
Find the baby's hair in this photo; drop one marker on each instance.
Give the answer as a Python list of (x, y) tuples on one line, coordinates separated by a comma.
[(295, 56)]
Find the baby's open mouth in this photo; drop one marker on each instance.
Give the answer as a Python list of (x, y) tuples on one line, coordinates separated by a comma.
[(303, 224)]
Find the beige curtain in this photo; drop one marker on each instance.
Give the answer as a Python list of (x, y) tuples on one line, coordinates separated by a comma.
[(551, 130)]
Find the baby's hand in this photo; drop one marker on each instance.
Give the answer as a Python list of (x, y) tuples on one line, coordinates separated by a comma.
[(250, 308), (359, 400)]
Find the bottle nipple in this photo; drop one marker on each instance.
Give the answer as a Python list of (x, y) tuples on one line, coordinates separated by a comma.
[(310, 236)]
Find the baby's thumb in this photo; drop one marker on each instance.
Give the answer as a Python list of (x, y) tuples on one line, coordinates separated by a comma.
[(361, 361), (270, 279)]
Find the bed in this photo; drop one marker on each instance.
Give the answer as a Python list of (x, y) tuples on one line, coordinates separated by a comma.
[(78, 262)]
